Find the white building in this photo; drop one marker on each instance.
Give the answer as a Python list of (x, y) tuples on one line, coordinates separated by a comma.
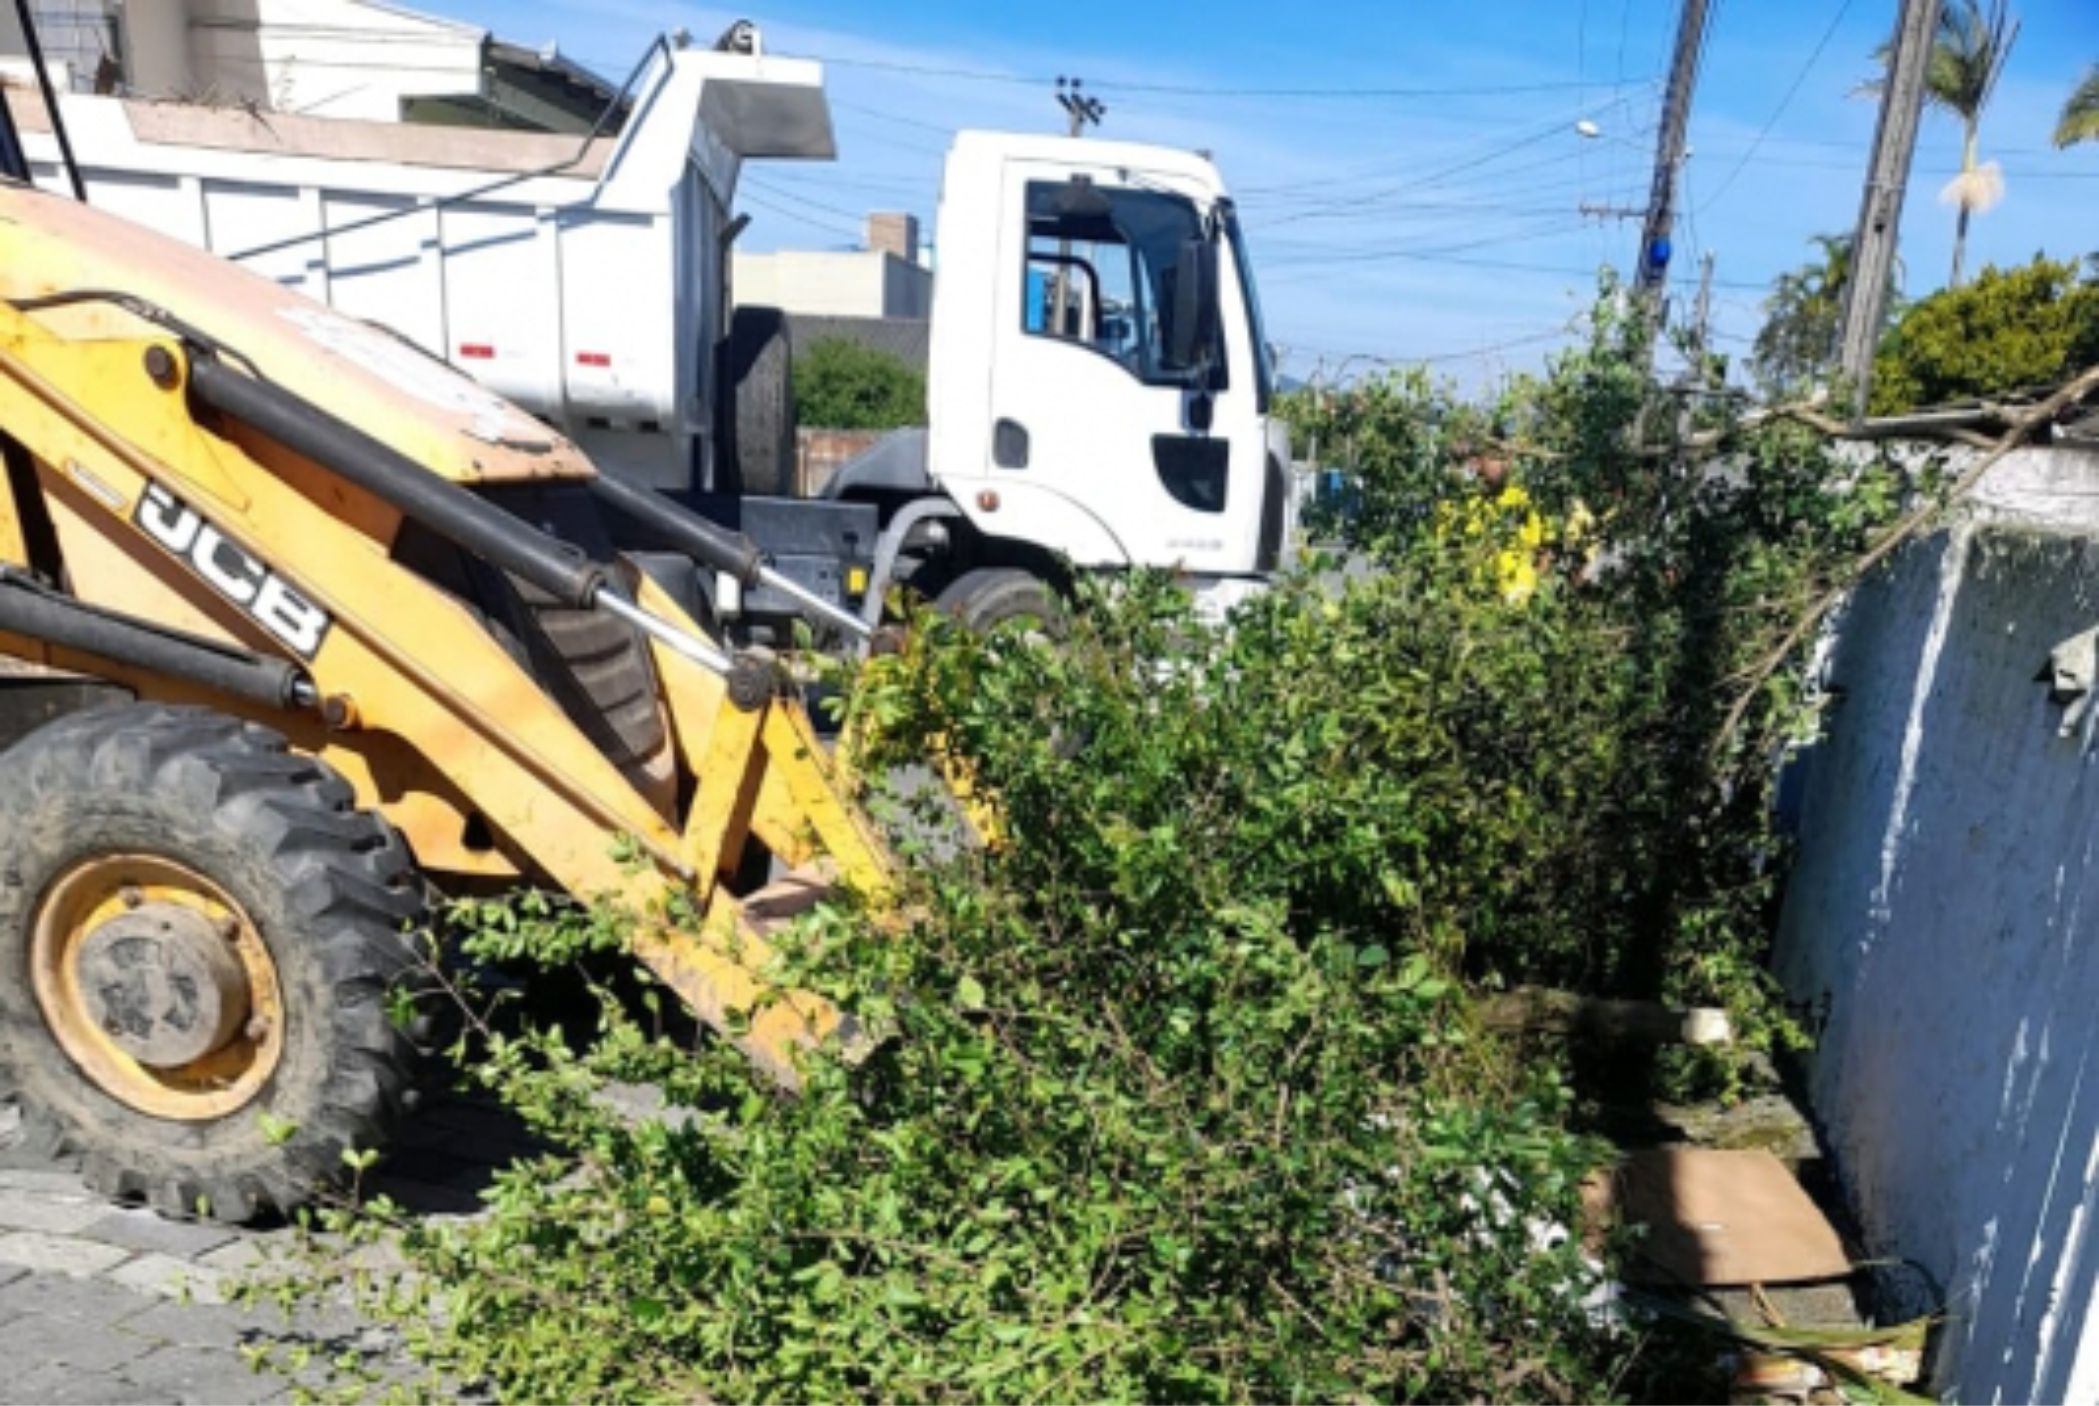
[(885, 280), (324, 58)]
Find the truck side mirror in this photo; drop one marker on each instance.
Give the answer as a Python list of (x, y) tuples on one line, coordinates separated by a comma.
[(1191, 325)]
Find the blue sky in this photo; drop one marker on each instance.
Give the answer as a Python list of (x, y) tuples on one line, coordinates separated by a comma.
[(1407, 226)]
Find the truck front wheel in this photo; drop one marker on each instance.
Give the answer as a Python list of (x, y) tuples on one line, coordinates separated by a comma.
[(198, 933), (990, 596)]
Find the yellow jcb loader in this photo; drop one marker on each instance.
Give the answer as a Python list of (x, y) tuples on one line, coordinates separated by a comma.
[(326, 624)]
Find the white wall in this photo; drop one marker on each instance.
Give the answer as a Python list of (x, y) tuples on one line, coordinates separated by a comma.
[(329, 58), (857, 283), (1943, 920), (326, 58)]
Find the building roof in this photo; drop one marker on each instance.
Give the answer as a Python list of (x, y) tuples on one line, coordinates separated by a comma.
[(578, 84)]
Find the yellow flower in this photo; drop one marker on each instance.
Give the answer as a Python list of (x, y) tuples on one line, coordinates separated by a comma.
[(1514, 497), (1518, 576), (1532, 533)]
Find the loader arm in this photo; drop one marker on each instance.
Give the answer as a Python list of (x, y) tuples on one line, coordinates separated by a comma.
[(182, 516)]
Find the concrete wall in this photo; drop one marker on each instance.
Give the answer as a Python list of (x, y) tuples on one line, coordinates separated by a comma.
[(327, 58), (850, 283), (1942, 922)]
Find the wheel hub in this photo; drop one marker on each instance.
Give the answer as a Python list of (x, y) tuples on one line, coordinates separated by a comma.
[(157, 986), (163, 983)]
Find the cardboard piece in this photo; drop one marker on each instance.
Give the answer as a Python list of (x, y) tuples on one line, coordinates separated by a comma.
[(1718, 1217)]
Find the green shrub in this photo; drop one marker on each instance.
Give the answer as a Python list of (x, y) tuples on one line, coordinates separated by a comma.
[(842, 385), (2009, 330), (1180, 1095)]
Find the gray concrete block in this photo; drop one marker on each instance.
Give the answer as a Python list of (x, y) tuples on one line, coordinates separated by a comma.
[(91, 1347), (64, 1386), (50, 1181), (75, 1300), (197, 1374), (59, 1254), (221, 1326), (54, 1214), (156, 1273), (238, 1257), (144, 1230)]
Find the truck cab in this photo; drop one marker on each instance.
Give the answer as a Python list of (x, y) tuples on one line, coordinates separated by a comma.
[(1099, 387)]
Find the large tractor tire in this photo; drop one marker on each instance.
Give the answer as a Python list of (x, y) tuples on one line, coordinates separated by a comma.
[(198, 934), (757, 452), (990, 596)]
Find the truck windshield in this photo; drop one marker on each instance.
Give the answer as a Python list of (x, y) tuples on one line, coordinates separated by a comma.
[(1264, 356), (1100, 268)]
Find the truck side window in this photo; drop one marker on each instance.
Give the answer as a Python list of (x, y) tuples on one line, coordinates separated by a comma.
[(1100, 267)]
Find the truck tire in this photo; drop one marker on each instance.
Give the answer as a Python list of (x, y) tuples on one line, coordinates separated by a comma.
[(198, 934), (990, 596), (757, 396)]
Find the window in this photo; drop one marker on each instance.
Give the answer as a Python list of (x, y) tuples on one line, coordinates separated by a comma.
[(1101, 265), (1264, 355)]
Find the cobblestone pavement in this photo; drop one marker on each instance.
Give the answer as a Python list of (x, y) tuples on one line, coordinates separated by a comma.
[(108, 1304)]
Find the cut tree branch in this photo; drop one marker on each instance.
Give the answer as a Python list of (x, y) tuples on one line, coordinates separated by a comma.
[(2022, 425)]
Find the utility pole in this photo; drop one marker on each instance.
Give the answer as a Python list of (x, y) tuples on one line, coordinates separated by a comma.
[(1887, 181), (1083, 111), (1653, 268), (1702, 316), (1693, 379)]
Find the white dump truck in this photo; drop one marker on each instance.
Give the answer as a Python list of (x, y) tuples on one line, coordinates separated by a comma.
[(1098, 388)]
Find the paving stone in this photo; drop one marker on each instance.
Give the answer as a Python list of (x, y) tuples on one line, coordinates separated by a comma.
[(74, 1300), (55, 1341), (63, 1386), (59, 1254), (145, 1230), (54, 1214), (237, 1258), (219, 1326), (156, 1273), (186, 1374), (48, 1180)]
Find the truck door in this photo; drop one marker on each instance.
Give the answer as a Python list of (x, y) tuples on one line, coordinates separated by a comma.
[(1088, 404)]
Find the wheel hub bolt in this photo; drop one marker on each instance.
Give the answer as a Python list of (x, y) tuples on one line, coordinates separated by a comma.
[(130, 896), (229, 927), (257, 1030)]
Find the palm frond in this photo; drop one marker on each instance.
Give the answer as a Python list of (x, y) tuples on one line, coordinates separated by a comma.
[(1969, 49), (2080, 119)]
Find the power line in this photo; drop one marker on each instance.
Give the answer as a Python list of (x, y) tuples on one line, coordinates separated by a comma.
[(1792, 91), (1347, 205), (946, 129), (856, 216), (1204, 90), (1556, 224), (1385, 168), (813, 221)]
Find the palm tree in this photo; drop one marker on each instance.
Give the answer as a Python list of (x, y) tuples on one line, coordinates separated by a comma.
[(2080, 119), (1797, 345), (1968, 50)]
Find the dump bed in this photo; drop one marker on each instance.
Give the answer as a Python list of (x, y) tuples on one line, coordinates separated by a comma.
[(516, 257)]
